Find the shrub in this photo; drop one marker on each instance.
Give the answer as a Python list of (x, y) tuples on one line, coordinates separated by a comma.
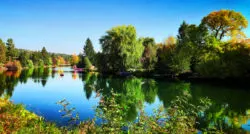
[(13, 66), (16, 119)]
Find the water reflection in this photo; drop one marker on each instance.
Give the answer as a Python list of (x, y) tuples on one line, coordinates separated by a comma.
[(10, 79), (230, 107)]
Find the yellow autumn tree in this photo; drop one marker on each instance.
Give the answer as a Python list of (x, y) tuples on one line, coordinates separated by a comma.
[(171, 40), (74, 59), (225, 23), (60, 60)]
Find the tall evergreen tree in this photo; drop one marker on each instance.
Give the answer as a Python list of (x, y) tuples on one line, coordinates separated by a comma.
[(88, 50), (44, 52), (45, 56), (11, 50)]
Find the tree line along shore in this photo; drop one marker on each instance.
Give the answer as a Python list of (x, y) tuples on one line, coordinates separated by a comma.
[(215, 48)]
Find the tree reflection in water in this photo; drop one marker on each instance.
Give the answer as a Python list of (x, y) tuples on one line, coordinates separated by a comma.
[(10, 79), (134, 92), (228, 110)]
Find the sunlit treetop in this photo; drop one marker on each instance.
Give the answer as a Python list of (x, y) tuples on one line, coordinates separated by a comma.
[(171, 40), (225, 23)]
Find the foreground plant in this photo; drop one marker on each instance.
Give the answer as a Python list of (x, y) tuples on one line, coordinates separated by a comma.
[(183, 115), (14, 118)]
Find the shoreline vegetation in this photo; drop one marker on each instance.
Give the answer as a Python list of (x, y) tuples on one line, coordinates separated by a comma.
[(217, 48)]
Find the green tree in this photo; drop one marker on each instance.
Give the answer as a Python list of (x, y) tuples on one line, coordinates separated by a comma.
[(148, 41), (149, 58), (193, 42), (50, 61), (88, 50), (30, 64), (122, 48), (2, 52), (36, 57), (173, 58), (41, 63), (11, 50), (102, 61), (45, 56), (225, 22), (87, 63), (180, 62), (23, 58), (192, 36), (228, 60), (165, 53)]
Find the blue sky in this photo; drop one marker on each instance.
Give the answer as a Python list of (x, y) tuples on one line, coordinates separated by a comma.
[(64, 25)]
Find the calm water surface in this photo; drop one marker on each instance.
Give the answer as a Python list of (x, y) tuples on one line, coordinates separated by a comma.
[(40, 89)]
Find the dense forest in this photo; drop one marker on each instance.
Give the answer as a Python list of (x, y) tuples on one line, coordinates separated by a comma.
[(216, 48)]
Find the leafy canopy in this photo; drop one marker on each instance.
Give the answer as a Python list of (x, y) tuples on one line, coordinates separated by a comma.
[(149, 57), (122, 48), (225, 22)]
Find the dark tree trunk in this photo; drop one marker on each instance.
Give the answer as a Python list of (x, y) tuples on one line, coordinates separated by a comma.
[(222, 34)]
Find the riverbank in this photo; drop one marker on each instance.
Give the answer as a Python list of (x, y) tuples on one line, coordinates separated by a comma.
[(192, 77), (189, 77), (13, 68)]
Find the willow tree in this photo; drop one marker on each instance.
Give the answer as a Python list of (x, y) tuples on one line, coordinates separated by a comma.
[(122, 48), (225, 22)]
